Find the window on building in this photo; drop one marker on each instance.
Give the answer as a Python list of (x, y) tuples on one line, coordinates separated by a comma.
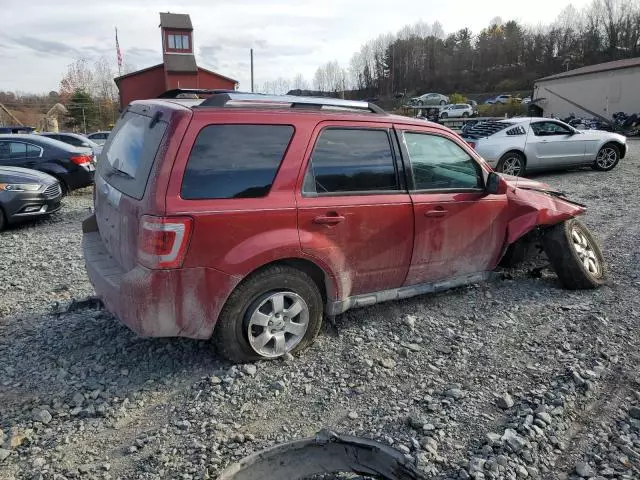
[(351, 160), (235, 161), (178, 42)]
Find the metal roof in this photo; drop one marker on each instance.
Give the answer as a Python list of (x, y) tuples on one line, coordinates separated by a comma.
[(600, 67), (180, 21)]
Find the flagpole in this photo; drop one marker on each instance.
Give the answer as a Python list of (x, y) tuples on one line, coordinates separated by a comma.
[(119, 55)]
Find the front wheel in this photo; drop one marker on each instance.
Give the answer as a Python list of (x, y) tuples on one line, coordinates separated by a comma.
[(608, 157), (444, 115), (420, 103), (512, 163), (274, 312), (574, 255)]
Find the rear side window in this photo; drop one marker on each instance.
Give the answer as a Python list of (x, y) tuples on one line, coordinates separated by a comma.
[(235, 161), (351, 160), (131, 152)]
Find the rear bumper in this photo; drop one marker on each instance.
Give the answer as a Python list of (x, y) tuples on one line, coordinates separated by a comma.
[(80, 178), (156, 303)]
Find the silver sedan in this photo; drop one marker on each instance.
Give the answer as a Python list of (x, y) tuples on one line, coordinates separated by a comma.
[(525, 144)]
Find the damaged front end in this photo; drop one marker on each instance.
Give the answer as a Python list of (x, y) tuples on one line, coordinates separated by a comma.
[(538, 215), (326, 453)]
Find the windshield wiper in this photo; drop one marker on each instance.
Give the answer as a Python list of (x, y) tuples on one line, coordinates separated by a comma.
[(119, 173)]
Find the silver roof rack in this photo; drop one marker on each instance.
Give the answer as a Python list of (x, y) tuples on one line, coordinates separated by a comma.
[(289, 101)]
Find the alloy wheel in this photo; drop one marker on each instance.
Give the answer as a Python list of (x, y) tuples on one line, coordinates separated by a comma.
[(512, 166), (586, 252), (607, 157), (277, 323)]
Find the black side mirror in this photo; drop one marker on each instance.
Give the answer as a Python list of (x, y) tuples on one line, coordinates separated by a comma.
[(493, 184)]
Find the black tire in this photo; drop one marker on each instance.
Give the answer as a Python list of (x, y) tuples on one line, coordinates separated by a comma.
[(3, 221), (420, 103), (567, 261), (465, 115), (442, 102), (444, 115), (508, 161), (230, 335), (604, 165)]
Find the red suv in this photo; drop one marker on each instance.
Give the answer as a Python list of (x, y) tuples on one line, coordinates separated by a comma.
[(246, 218)]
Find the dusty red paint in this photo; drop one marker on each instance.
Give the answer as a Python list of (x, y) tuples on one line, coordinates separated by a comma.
[(386, 241)]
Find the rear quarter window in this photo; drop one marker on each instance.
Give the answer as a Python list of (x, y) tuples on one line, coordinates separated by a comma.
[(235, 161)]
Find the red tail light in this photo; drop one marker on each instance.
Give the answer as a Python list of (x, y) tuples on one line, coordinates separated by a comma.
[(81, 159), (163, 241)]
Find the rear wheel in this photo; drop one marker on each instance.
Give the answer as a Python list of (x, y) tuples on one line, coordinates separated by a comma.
[(274, 312), (608, 157), (442, 102), (512, 163), (444, 115), (3, 221), (465, 115), (574, 255)]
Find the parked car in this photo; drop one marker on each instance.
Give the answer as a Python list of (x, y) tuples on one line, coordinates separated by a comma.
[(520, 145), (27, 194), (72, 166), (457, 110), (502, 99), (430, 99), (76, 140), (249, 217), (99, 137)]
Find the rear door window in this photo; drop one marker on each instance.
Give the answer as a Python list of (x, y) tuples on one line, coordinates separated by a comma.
[(131, 152), (235, 161), (351, 160)]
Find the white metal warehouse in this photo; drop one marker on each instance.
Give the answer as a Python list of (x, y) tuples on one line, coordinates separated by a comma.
[(596, 90)]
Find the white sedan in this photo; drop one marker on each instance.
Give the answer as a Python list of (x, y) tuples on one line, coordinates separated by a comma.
[(525, 144)]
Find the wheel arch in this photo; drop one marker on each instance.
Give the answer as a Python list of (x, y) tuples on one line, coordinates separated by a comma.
[(515, 150), (323, 280), (619, 145)]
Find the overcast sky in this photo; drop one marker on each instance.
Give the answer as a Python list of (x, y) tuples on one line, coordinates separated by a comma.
[(39, 38)]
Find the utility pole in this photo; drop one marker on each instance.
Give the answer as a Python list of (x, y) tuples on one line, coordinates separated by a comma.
[(84, 121), (252, 70)]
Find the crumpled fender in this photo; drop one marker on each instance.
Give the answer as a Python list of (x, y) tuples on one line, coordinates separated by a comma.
[(529, 209)]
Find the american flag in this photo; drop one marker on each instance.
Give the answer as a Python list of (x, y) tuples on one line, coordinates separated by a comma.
[(118, 52)]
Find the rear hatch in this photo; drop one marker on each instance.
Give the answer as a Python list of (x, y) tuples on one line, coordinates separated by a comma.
[(123, 173)]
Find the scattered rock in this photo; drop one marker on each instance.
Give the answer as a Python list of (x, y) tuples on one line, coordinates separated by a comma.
[(455, 393), (388, 363), (249, 369), (634, 412), (353, 415), (584, 470), (4, 454), (505, 401), (43, 416)]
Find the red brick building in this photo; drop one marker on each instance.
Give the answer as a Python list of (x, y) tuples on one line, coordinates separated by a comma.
[(178, 70)]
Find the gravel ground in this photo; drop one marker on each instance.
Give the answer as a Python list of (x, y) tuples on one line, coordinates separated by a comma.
[(516, 378)]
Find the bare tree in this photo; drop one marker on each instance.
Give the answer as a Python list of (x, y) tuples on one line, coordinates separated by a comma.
[(79, 76), (299, 83)]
